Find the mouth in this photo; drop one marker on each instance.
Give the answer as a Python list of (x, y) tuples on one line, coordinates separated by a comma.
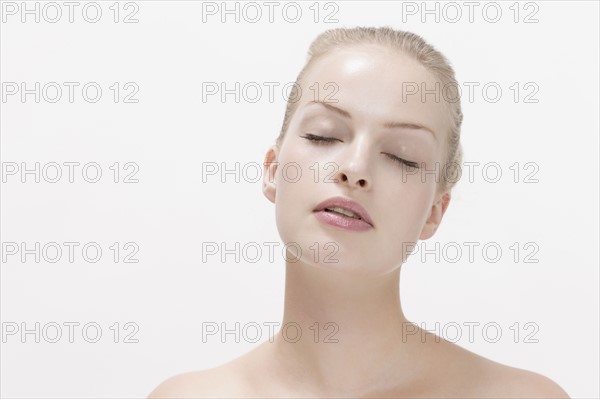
[(345, 212)]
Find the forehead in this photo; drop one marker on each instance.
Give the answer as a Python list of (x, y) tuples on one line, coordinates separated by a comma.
[(377, 84)]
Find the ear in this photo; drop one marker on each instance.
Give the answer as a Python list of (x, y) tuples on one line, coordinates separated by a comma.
[(269, 169), (435, 217)]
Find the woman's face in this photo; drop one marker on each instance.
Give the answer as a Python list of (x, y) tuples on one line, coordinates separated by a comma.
[(359, 99)]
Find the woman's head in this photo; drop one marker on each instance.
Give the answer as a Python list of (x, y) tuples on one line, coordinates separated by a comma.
[(357, 90), (400, 41)]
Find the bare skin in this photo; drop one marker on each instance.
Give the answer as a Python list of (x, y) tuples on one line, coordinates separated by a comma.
[(378, 352), (453, 372)]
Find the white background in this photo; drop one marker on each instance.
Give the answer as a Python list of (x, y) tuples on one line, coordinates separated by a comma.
[(170, 132)]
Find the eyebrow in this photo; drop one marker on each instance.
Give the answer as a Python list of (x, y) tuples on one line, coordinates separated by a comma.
[(388, 125)]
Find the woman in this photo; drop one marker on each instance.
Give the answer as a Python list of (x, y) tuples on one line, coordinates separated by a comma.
[(365, 137)]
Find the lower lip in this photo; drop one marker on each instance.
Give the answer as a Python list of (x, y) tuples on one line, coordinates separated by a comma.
[(344, 222)]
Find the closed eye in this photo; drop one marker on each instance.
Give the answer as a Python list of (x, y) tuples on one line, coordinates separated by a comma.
[(319, 139), (402, 161)]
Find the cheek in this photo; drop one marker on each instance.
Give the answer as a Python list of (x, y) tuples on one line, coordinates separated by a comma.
[(407, 207), (298, 177), (294, 194)]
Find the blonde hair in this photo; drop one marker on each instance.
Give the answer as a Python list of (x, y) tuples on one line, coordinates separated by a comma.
[(410, 44)]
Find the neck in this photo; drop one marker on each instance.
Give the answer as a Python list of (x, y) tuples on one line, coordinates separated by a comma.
[(352, 332)]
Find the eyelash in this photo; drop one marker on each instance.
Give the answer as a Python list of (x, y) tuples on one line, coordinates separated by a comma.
[(320, 140)]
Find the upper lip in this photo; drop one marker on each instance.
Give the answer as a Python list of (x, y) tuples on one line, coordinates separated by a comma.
[(347, 204)]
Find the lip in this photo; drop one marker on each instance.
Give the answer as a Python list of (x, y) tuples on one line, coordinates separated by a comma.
[(348, 204)]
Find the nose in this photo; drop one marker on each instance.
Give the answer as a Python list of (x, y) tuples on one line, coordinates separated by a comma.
[(353, 168), (344, 177)]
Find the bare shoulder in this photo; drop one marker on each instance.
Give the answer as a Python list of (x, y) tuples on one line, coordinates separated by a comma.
[(515, 382), (185, 385), (472, 375), (211, 383), (500, 380)]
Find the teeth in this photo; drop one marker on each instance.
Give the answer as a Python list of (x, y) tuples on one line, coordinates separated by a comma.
[(343, 212)]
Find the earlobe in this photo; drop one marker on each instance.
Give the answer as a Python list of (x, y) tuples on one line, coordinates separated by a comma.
[(269, 173), (435, 217)]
